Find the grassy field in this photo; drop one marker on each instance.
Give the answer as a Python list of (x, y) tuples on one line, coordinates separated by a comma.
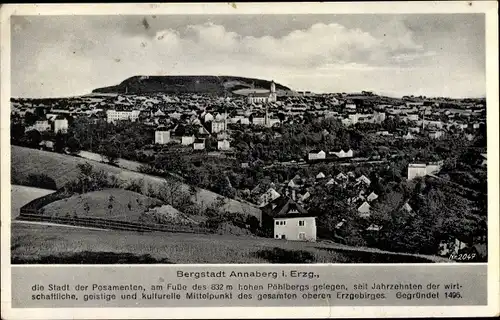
[(63, 168), (57, 244), (97, 203), (21, 195)]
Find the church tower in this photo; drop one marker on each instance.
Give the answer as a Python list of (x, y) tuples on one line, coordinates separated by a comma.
[(272, 95)]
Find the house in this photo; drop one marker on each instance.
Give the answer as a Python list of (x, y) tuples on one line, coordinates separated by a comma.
[(199, 144), (218, 126), (47, 145), (436, 134), (270, 195), (187, 140), (113, 115), (306, 196), (374, 227), (416, 170), (162, 136), (341, 176), (364, 210), (291, 221), (372, 197), (223, 145), (330, 182), (316, 155), (320, 175), (408, 136), (60, 125), (342, 154), (363, 179)]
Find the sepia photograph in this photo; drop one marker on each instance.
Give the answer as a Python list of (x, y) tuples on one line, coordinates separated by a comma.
[(248, 138)]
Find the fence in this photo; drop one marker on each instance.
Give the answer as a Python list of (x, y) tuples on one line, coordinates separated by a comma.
[(31, 215)]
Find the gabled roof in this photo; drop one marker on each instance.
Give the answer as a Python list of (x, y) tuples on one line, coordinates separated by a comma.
[(284, 207)]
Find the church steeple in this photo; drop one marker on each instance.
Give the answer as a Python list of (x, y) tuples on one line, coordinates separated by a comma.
[(272, 95)]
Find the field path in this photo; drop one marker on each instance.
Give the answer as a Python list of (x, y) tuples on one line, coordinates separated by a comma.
[(21, 195), (55, 225)]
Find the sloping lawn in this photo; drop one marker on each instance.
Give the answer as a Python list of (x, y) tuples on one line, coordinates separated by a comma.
[(54, 244), (125, 205)]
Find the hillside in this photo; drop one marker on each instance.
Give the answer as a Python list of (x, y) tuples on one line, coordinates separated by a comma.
[(186, 84), (63, 168), (126, 205)]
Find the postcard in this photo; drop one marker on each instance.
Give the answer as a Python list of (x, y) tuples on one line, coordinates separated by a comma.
[(249, 160)]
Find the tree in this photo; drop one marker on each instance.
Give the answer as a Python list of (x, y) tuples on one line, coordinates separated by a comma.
[(60, 142), (111, 152), (73, 145), (30, 119), (16, 132), (33, 138)]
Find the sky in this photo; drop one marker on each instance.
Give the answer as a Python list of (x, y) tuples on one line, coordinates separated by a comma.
[(420, 54)]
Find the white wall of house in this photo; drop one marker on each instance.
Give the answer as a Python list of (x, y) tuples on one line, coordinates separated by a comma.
[(162, 137), (223, 145), (416, 170), (187, 140), (315, 156), (295, 229), (60, 125)]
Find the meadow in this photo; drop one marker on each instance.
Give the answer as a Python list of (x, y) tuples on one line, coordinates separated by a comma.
[(42, 244)]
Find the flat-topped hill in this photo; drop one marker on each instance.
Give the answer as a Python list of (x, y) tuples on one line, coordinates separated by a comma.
[(187, 84)]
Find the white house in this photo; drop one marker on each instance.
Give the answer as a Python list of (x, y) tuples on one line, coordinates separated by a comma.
[(218, 126), (113, 115), (416, 170), (60, 125), (316, 155), (420, 169), (187, 140), (223, 145), (292, 222), (208, 117), (320, 175), (199, 144), (162, 136), (371, 197), (343, 154), (364, 210)]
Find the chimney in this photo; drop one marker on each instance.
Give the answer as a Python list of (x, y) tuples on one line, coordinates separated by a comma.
[(293, 194)]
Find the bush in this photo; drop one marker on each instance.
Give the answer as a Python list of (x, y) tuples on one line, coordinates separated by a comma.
[(41, 181)]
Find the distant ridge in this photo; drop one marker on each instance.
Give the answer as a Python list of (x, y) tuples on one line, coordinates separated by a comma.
[(187, 84)]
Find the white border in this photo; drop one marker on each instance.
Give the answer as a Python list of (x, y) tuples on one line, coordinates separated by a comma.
[(447, 7)]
